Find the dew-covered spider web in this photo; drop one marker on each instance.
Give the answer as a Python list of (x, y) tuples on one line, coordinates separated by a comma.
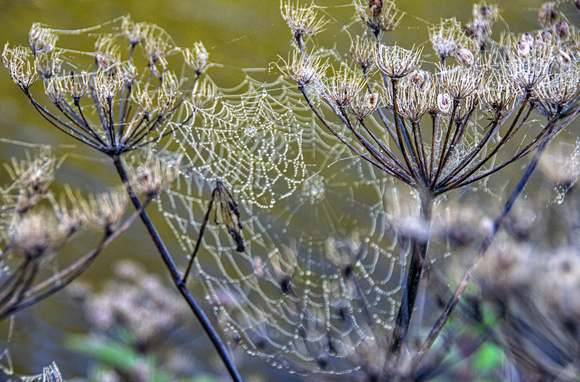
[(316, 289)]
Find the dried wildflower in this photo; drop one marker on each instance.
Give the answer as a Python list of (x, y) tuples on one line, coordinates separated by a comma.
[(203, 94), (362, 52), (303, 21), (447, 37), (136, 33), (30, 181), (396, 62), (344, 86), (107, 52), (167, 95), (156, 49), (558, 89), (497, 95), (106, 86), (48, 64), (304, 72), (196, 57), (528, 67), (103, 211), (41, 40), (379, 16), (76, 85), (461, 82), (34, 233), (479, 29), (155, 175), (364, 105), (21, 70), (413, 100)]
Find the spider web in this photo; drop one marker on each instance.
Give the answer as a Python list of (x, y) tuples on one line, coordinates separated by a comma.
[(317, 285)]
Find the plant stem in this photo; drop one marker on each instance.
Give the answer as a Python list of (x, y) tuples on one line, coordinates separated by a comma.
[(482, 250), (175, 276), (411, 288)]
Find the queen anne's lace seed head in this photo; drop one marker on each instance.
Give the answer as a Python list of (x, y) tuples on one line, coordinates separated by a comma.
[(461, 82), (344, 86), (497, 95), (379, 15), (196, 57), (21, 70), (304, 72), (397, 62), (362, 51), (302, 20)]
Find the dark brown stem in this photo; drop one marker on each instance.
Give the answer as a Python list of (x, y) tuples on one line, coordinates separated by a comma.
[(411, 287), (176, 277)]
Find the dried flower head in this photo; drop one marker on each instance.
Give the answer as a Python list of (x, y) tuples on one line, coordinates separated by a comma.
[(364, 105), (447, 37), (75, 85), (103, 211), (527, 65), (34, 233), (558, 89), (302, 20), (196, 57), (380, 16), (21, 70), (461, 82), (136, 33), (155, 175), (156, 49), (413, 97), (304, 72), (497, 95), (30, 180), (397, 62), (344, 86), (362, 51), (48, 64), (107, 52), (41, 40), (203, 94)]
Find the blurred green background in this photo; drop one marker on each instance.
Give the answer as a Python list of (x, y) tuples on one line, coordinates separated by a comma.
[(237, 34)]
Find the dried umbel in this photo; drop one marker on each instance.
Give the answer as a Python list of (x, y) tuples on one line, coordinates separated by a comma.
[(527, 65), (155, 175), (342, 88), (396, 62), (127, 106), (447, 38), (103, 211), (304, 21), (378, 15), (362, 51), (461, 82), (302, 71)]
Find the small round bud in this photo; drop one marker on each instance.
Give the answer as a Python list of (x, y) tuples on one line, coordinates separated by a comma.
[(547, 15), (444, 102), (562, 29), (522, 48), (464, 56)]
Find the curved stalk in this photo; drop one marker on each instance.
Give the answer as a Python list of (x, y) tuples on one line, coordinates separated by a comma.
[(176, 278)]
